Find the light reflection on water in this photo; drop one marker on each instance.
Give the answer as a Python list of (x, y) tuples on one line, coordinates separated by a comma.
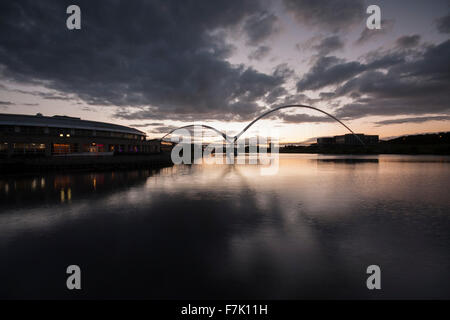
[(225, 231)]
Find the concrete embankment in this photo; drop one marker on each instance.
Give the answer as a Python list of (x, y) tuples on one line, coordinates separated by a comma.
[(83, 162)]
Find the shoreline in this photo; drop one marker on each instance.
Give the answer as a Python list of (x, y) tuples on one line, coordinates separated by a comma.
[(83, 163)]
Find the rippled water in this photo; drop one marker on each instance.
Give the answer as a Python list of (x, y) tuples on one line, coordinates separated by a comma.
[(226, 231)]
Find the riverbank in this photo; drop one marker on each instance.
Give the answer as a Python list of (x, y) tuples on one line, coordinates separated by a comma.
[(438, 149), (419, 144), (83, 163)]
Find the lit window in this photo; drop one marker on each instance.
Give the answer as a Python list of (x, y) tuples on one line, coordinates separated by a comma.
[(68, 135), (61, 135)]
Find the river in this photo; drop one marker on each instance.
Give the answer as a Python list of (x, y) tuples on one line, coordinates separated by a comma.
[(225, 231)]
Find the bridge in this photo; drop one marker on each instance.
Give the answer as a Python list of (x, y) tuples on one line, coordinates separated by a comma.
[(233, 139)]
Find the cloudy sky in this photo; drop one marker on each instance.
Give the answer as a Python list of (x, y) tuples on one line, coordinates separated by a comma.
[(160, 64)]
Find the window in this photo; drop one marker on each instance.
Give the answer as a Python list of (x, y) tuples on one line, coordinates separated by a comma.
[(28, 148), (61, 148), (3, 147)]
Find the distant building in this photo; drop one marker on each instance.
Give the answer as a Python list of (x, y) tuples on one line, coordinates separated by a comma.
[(348, 139), (325, 141), (57, 135)]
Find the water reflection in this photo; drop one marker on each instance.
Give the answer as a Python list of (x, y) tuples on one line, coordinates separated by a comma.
[(225, 231), (348, 160), (32, 191)]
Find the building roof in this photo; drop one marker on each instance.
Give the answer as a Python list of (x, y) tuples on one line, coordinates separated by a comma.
[(62, 122)]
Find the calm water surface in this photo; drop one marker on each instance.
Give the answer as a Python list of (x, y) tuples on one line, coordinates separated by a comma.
[(225, 231)]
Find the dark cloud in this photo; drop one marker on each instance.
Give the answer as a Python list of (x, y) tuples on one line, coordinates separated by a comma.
[(403, 80), (328, 45), (44, 95), (408, 41), (162, 129), (303, 118), (443, 24), (413, 120), (328, 70), (259, 27), (418, 85), (259, 53), (151, 124), (283, 71), (384, 59), (326, 95), (298, 98), (6, 103), (368, 35), (275, 95), (165, 58), (327, 14)]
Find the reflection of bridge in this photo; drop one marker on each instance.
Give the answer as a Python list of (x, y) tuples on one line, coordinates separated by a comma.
[(234, 139)]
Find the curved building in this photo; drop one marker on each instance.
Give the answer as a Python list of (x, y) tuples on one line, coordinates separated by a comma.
[(62, 135)]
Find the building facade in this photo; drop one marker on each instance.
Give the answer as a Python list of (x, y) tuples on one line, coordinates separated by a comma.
[(62, 135)]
